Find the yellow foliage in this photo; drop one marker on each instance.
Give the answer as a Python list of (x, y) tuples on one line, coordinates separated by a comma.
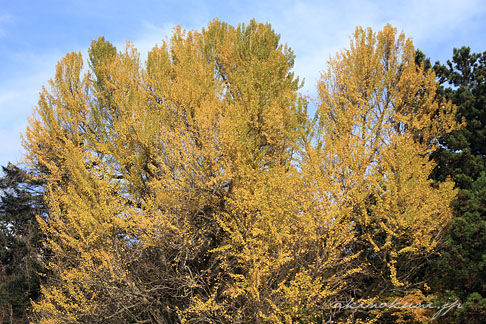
[(196, 188)]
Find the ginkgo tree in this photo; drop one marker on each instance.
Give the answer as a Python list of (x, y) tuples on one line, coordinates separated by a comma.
[(377, 122), (194, 188)]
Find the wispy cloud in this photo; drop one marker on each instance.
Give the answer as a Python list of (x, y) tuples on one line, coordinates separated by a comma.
[(11, 149), (316, 30), (148, 36), (5, 19), (18, 96)]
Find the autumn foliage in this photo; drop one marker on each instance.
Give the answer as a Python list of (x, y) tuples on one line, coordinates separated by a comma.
[(195, 188)]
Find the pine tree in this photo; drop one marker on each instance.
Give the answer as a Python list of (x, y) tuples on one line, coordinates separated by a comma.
[(20, 243), (460, 272)]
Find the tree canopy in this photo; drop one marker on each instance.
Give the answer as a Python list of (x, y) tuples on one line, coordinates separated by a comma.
[(195, 188)]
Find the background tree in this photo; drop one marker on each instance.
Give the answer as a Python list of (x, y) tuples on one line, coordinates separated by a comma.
[(20, 243), (460, 272)]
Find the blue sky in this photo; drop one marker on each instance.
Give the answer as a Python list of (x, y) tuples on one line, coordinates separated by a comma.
[(34, 35)]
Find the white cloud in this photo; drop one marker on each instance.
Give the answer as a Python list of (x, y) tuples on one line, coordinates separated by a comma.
[(435, 19)]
